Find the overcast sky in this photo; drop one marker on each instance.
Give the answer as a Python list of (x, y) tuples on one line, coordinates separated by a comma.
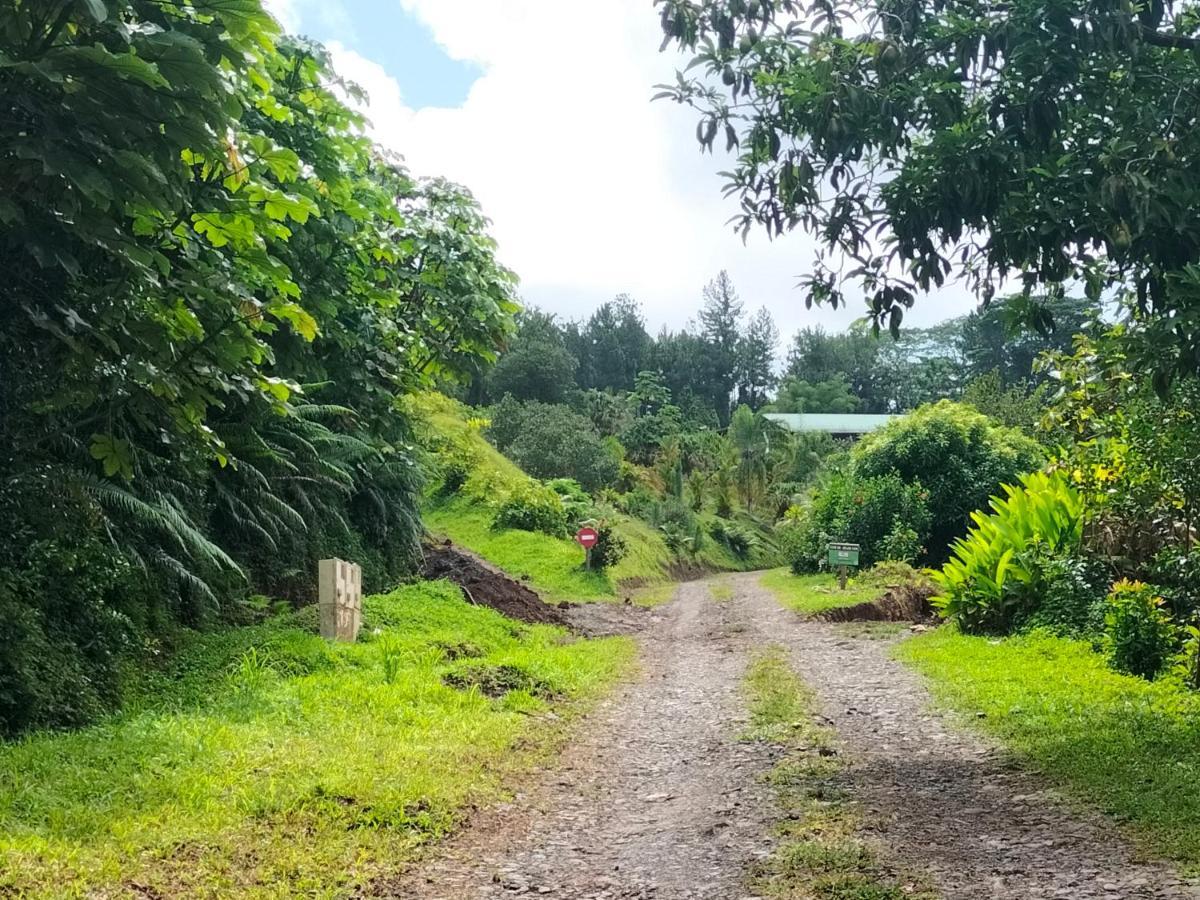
[(542, 108)]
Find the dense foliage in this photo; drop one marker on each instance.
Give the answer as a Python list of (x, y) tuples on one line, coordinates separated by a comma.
[(1041, 141), (958, 455), (906, 491), (218, 289), (997, 576), (1103, 544)]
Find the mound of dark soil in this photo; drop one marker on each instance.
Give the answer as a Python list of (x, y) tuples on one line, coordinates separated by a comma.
[(485, 585), (496, 681), (903, 603)]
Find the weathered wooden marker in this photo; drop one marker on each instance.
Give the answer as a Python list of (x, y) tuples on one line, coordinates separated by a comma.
[(339, 599), (843, 557)]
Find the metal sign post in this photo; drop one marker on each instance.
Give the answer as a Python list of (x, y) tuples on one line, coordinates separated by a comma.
[(843, 557), (587, 538)]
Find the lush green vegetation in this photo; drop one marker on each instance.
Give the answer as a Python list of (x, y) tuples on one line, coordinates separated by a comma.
[(1102, 544), (263, 761), (960, 140), (1127, 745), (907, 490), (481, 492), (222, 288), (820, 855), (554, 565)]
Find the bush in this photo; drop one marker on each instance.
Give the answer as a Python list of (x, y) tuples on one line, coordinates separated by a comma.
[(863, 511), (577, 505), (737, 539), (610, 548), (1176, 570), (640, 503), (532, 508), (959, 455), (1072, 598), (997, 575), (901, 544), (1140, 634), (70, 612), (455, 462), (553, 441)]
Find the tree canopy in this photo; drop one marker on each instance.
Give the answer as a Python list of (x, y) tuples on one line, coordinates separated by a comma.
[(219, 290), (1030, 144)]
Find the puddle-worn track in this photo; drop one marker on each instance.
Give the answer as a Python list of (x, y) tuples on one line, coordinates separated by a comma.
[(657, 797)]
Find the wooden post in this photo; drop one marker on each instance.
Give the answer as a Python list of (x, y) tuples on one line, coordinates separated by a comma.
[(339, 599)]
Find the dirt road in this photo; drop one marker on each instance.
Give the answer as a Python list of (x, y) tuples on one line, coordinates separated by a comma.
[(659, 798)]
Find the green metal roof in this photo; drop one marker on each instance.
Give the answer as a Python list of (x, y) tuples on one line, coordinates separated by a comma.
[(834, 423)]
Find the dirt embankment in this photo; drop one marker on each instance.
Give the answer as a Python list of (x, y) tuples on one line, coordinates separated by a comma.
[(902, 603), (486, 585)]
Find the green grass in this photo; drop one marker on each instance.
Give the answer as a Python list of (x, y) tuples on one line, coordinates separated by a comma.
[(655, 594), (1128, 746), (720, 590), (810, 594), (264, 762), (820, 855), (554, 565)]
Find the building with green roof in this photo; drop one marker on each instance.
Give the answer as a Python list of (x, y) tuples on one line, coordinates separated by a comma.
[(837, 424)]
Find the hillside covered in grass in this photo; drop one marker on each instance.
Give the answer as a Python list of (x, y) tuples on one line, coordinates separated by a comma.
[(476, 486), (264, 761)]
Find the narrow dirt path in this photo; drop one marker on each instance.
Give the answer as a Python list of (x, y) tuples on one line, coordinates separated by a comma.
[(946, 801), (657, 797)]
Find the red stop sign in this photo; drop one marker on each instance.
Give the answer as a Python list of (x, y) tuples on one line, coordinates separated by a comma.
[(587, 537)]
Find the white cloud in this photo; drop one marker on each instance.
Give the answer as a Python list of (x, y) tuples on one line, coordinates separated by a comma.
[(593, 189)]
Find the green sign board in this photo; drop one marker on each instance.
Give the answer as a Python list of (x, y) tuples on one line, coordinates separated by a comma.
[(843, 554)]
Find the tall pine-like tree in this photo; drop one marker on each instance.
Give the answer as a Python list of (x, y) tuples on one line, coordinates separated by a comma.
[(720, 321)]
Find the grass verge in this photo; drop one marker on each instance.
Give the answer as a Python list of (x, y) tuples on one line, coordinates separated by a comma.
[(1128, 746), (820, 856), (810, 594), (720, 590), (264, 762)]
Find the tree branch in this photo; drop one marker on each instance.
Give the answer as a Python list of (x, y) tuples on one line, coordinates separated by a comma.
[(1173, 41)]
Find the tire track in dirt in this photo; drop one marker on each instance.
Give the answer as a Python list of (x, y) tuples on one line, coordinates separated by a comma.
[(656, 798), (946, 801)]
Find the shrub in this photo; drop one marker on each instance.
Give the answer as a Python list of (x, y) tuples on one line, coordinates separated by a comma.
[(553, 441), (1073, 596), (532, 508), (864, 511), (683, 539), (959, 455), (70, 613), (1140, 634), (901, 544), (996, 576), (577, 505), (737, 539), (640, 503), (610, 547), (455, 462), (1176, 570)]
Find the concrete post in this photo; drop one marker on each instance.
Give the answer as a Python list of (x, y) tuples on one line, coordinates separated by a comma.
[(339, 599)]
